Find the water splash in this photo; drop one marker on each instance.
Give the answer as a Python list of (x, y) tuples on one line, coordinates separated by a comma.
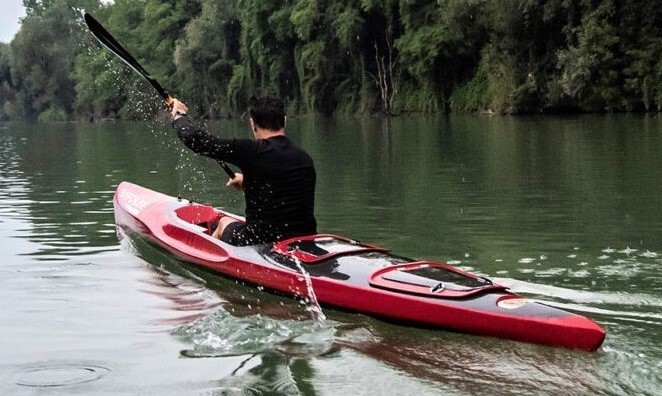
[(222, 334), (312, 305), (649, 254)]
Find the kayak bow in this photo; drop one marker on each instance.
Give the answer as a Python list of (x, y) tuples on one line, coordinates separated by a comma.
[(354, 276)]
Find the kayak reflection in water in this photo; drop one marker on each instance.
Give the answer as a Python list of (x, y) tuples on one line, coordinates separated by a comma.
[(277, 177)]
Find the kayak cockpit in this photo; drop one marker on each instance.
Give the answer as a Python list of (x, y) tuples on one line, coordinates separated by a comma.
[(203, 216)]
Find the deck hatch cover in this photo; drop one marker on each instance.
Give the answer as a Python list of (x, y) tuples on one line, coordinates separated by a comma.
[(431, 279)]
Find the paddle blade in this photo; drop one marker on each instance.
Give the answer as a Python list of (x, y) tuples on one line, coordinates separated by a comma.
[(107, 40)]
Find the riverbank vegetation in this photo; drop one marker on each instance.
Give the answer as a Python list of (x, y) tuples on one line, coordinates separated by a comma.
[(343, 56)]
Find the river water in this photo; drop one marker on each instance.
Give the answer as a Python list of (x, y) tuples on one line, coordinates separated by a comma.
[(567, 210)]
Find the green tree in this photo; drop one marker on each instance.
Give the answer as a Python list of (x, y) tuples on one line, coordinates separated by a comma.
[(267, 49), (207, 55), (6, 84), (161, 25), (441, 46), (388, 56), (41, 58), (590, 65), (102, 81)]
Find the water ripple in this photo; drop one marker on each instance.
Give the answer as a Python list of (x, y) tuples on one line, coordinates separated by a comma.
[(582, 296)]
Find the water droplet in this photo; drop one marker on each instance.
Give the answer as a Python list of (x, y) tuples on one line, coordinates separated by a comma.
[(628, 251)]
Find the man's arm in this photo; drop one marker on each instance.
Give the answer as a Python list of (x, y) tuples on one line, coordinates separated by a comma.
[(200, 141)]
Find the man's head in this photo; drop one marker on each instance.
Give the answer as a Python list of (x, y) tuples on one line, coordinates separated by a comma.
[(267, 112)]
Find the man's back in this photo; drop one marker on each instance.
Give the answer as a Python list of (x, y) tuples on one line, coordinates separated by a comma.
[(279, 181), (279, 184)]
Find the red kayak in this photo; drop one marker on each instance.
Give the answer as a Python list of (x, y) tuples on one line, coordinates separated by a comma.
[(354, 276)]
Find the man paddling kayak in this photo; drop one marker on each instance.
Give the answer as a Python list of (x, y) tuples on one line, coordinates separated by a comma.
[(277, 177)]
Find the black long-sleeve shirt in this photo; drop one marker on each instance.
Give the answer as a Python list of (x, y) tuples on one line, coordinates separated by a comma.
[(279, 180)]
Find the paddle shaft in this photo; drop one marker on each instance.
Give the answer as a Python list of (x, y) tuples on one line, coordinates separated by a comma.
[(108, 41)]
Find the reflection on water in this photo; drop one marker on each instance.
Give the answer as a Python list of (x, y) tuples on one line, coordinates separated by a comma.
[(564, 210)]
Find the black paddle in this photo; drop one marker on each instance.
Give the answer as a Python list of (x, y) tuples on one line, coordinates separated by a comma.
[(108, 41)]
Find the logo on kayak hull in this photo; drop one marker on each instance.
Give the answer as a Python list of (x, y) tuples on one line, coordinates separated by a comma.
[(512, 303), (134, 204)]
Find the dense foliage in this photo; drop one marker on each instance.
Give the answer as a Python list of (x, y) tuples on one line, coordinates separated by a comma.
[(354, 56)]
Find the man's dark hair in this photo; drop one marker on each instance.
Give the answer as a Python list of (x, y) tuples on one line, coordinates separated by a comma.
[(267, 112)]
